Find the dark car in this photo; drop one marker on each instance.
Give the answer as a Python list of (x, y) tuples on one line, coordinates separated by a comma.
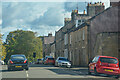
[(18, 62), (39, 61)]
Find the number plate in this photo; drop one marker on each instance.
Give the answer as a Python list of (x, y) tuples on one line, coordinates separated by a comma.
[(109, 70), (18, 66)]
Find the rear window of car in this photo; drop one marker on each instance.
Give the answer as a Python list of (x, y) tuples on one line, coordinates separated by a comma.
[(17, 57), (108, 60), (50, 58)]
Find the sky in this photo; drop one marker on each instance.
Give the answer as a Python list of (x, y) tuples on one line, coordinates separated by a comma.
[(41, 17)]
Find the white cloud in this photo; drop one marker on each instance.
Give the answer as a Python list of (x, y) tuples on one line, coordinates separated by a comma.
[(45, 29), (39, 17), (8, 29), (0, 22)]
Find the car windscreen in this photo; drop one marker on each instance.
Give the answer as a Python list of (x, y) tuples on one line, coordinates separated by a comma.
[(63, 59), (108, 60), (50, 58), (18, 57)]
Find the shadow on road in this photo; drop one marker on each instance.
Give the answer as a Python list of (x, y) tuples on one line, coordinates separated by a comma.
[(40, 65), (10, 70), (103, 75), (63, 72), (78, 72)]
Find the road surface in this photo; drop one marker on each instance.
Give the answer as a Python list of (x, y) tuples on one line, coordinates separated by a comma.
[(49, 71)]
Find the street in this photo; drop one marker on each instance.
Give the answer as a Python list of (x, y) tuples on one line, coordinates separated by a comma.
[(49, 71)]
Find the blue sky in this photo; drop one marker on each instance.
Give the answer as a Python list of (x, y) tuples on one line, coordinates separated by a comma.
[(40, 17)]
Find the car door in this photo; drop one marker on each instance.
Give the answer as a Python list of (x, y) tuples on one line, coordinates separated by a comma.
[(93, 63), (56, 62)]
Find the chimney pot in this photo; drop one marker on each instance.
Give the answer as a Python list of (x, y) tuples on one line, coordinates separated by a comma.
[(84, 12), (102, 3)]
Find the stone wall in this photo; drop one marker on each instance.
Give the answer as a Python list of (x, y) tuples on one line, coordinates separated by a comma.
[(107, 21), (78, 47), (107, 44)]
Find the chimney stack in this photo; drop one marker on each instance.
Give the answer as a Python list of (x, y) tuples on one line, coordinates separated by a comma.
[(50, 35), (84, 12), (114, 3)]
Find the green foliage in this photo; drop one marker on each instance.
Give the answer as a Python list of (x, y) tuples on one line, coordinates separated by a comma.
[(2, 49), (23, 42)]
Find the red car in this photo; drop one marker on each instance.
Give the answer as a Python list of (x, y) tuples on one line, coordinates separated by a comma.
[(105, 65), (50, 61)]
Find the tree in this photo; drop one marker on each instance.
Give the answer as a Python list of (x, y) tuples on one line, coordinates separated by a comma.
[(23, 42), (2, 49)]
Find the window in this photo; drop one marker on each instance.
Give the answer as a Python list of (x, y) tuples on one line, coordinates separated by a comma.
[(70, 38), (95, 59), (76, 23), (66, 53), (83, 34), (66, 39), (70, 56), (108, 60)]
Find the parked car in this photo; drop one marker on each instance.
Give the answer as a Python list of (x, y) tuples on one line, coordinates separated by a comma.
[(42, 60), (2, 62), (104, 64), (18, 61), (46, 58), (39, 61), (50, 60), (62, 61)]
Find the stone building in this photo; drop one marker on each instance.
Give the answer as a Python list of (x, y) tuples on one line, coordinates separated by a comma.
[(97, 36), (47, 40), (78, 45), (104, 23), (70, 24), (52, 47)]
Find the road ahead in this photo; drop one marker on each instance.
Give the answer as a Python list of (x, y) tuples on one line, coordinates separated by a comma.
[(48, 71)]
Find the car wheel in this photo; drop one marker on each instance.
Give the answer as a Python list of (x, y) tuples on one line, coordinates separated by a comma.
[(117, 76), (89, 71), (95, 72), (56, 64), (27, 68), (68, 66), (9, 68)]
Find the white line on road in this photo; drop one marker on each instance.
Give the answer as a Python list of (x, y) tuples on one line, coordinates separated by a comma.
[(27, 74)]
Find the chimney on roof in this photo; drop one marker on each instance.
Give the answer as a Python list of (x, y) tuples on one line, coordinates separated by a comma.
[(88, 4), (113, 3), (84, 12), (50, 35), (66, 20), (103, 4)]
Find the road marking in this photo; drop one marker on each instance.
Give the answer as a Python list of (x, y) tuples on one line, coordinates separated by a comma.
[(27, 74)]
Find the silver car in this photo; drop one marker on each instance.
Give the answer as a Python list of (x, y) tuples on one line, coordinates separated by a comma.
[(2, 62), (62, 61)]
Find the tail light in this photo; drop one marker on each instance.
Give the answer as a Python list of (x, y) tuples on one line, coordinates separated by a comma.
[(25, 61), (11, 62)]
